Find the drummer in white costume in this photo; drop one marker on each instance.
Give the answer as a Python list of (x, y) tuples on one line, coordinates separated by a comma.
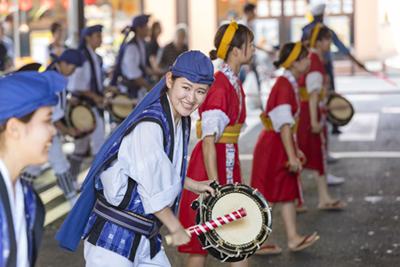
[(87, 84), (66, 64), (131, 68)]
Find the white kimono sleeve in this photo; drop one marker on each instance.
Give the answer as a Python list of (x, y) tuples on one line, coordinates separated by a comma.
[(213, 122), (314, 82), (142, 157), (280, 116)]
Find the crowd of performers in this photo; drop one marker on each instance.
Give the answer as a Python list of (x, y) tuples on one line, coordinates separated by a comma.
[(138, 180)]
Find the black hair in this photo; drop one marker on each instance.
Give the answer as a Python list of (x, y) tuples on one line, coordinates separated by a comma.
[(54, 26), (285, 51), (153, 29), (324, 33), (25, 119), (239, 38), (249, 7), (165, 88)]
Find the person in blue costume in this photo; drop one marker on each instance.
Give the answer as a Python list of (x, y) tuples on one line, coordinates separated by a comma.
[(318, 13), (66, 64), (26, 133), (135, 183), (131, 68), (87, 84)]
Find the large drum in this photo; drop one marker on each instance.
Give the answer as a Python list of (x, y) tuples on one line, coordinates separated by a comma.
[(239, 239), (79, 116), (339, 110), (120, 106)]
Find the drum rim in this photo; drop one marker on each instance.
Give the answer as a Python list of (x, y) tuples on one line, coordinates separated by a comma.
[(335, 120), (112, 106), (231, 249)]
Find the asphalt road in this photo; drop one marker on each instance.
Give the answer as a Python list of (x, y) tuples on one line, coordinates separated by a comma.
[(366, 233)]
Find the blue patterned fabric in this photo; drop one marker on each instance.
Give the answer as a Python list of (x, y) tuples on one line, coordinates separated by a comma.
[(118, 239), (30, 210)]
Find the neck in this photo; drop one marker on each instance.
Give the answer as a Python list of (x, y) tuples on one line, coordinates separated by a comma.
[(13, 164), (177, 45), (320, 52), (295, 74), (93, 47), (234, 66)]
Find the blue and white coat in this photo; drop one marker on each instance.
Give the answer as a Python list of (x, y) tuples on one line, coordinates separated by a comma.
[(151, 157)]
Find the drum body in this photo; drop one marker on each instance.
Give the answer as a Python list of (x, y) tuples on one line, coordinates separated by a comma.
[(239, 239), (120, 106), (79, 116), (339, 110)]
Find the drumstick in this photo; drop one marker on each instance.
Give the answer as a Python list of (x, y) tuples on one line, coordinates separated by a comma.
[(210, 225), (383, 77), (302, 160), (338, 107)]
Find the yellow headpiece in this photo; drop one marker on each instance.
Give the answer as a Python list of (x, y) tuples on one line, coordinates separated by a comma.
[(293, 55), (227, 39), (314, 35)]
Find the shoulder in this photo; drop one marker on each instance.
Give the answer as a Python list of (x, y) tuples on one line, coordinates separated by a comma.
[(316, 63)]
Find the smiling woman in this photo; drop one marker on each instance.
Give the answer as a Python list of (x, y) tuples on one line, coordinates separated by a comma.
[(26, 133), (144, 177)]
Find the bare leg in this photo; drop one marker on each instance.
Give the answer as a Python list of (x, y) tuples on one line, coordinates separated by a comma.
[(266, 248), (288, 212), (322, 185), (196, 260)]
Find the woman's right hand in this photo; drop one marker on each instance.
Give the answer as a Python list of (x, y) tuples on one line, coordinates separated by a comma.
[(295, 165), (316, 128), (180, 237)]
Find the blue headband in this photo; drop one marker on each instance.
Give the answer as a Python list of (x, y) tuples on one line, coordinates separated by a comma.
[(24, 92), (88, 31), (71, 56), (140, 20)]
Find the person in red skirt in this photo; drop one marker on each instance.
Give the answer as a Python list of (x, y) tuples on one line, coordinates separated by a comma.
[(312, 133), (276, 159), (222, 115)]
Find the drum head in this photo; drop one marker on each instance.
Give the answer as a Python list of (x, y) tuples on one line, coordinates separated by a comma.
[(339, 111), (121, 111), (237, 239), (82, 117)]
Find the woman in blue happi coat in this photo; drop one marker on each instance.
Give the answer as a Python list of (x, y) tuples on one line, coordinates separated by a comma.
[(26, 133), (135, 183)]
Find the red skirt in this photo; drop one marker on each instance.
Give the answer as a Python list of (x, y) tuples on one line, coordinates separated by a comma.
[(197, 171), (270, 174), (314, 146)]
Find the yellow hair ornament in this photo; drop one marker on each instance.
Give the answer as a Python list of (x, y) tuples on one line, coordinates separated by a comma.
[(314, 35), (293, 55), (227, 39)]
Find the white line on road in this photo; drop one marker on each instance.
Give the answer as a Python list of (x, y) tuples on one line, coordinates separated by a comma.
[(350, 154), (362, 127)]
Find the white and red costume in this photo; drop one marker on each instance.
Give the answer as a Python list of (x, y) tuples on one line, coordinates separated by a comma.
[(270, 174), (314, 146), (224, 106)]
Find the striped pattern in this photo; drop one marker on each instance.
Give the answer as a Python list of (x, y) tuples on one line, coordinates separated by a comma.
[(211, 225)]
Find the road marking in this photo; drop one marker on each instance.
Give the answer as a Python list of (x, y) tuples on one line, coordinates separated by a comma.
[(362, 127), (390, 110), (350, 154), (64, 207)]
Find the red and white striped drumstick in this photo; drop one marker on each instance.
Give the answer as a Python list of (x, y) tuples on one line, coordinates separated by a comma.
[(211, 225), (383, 77)]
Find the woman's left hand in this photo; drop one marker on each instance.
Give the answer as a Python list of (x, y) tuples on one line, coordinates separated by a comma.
[(199, 187)]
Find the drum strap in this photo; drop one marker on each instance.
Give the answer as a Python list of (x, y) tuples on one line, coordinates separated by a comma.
[(269, 127)]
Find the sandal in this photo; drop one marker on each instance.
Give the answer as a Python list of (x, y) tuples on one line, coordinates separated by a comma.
[(305, 244), (337, 205)]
